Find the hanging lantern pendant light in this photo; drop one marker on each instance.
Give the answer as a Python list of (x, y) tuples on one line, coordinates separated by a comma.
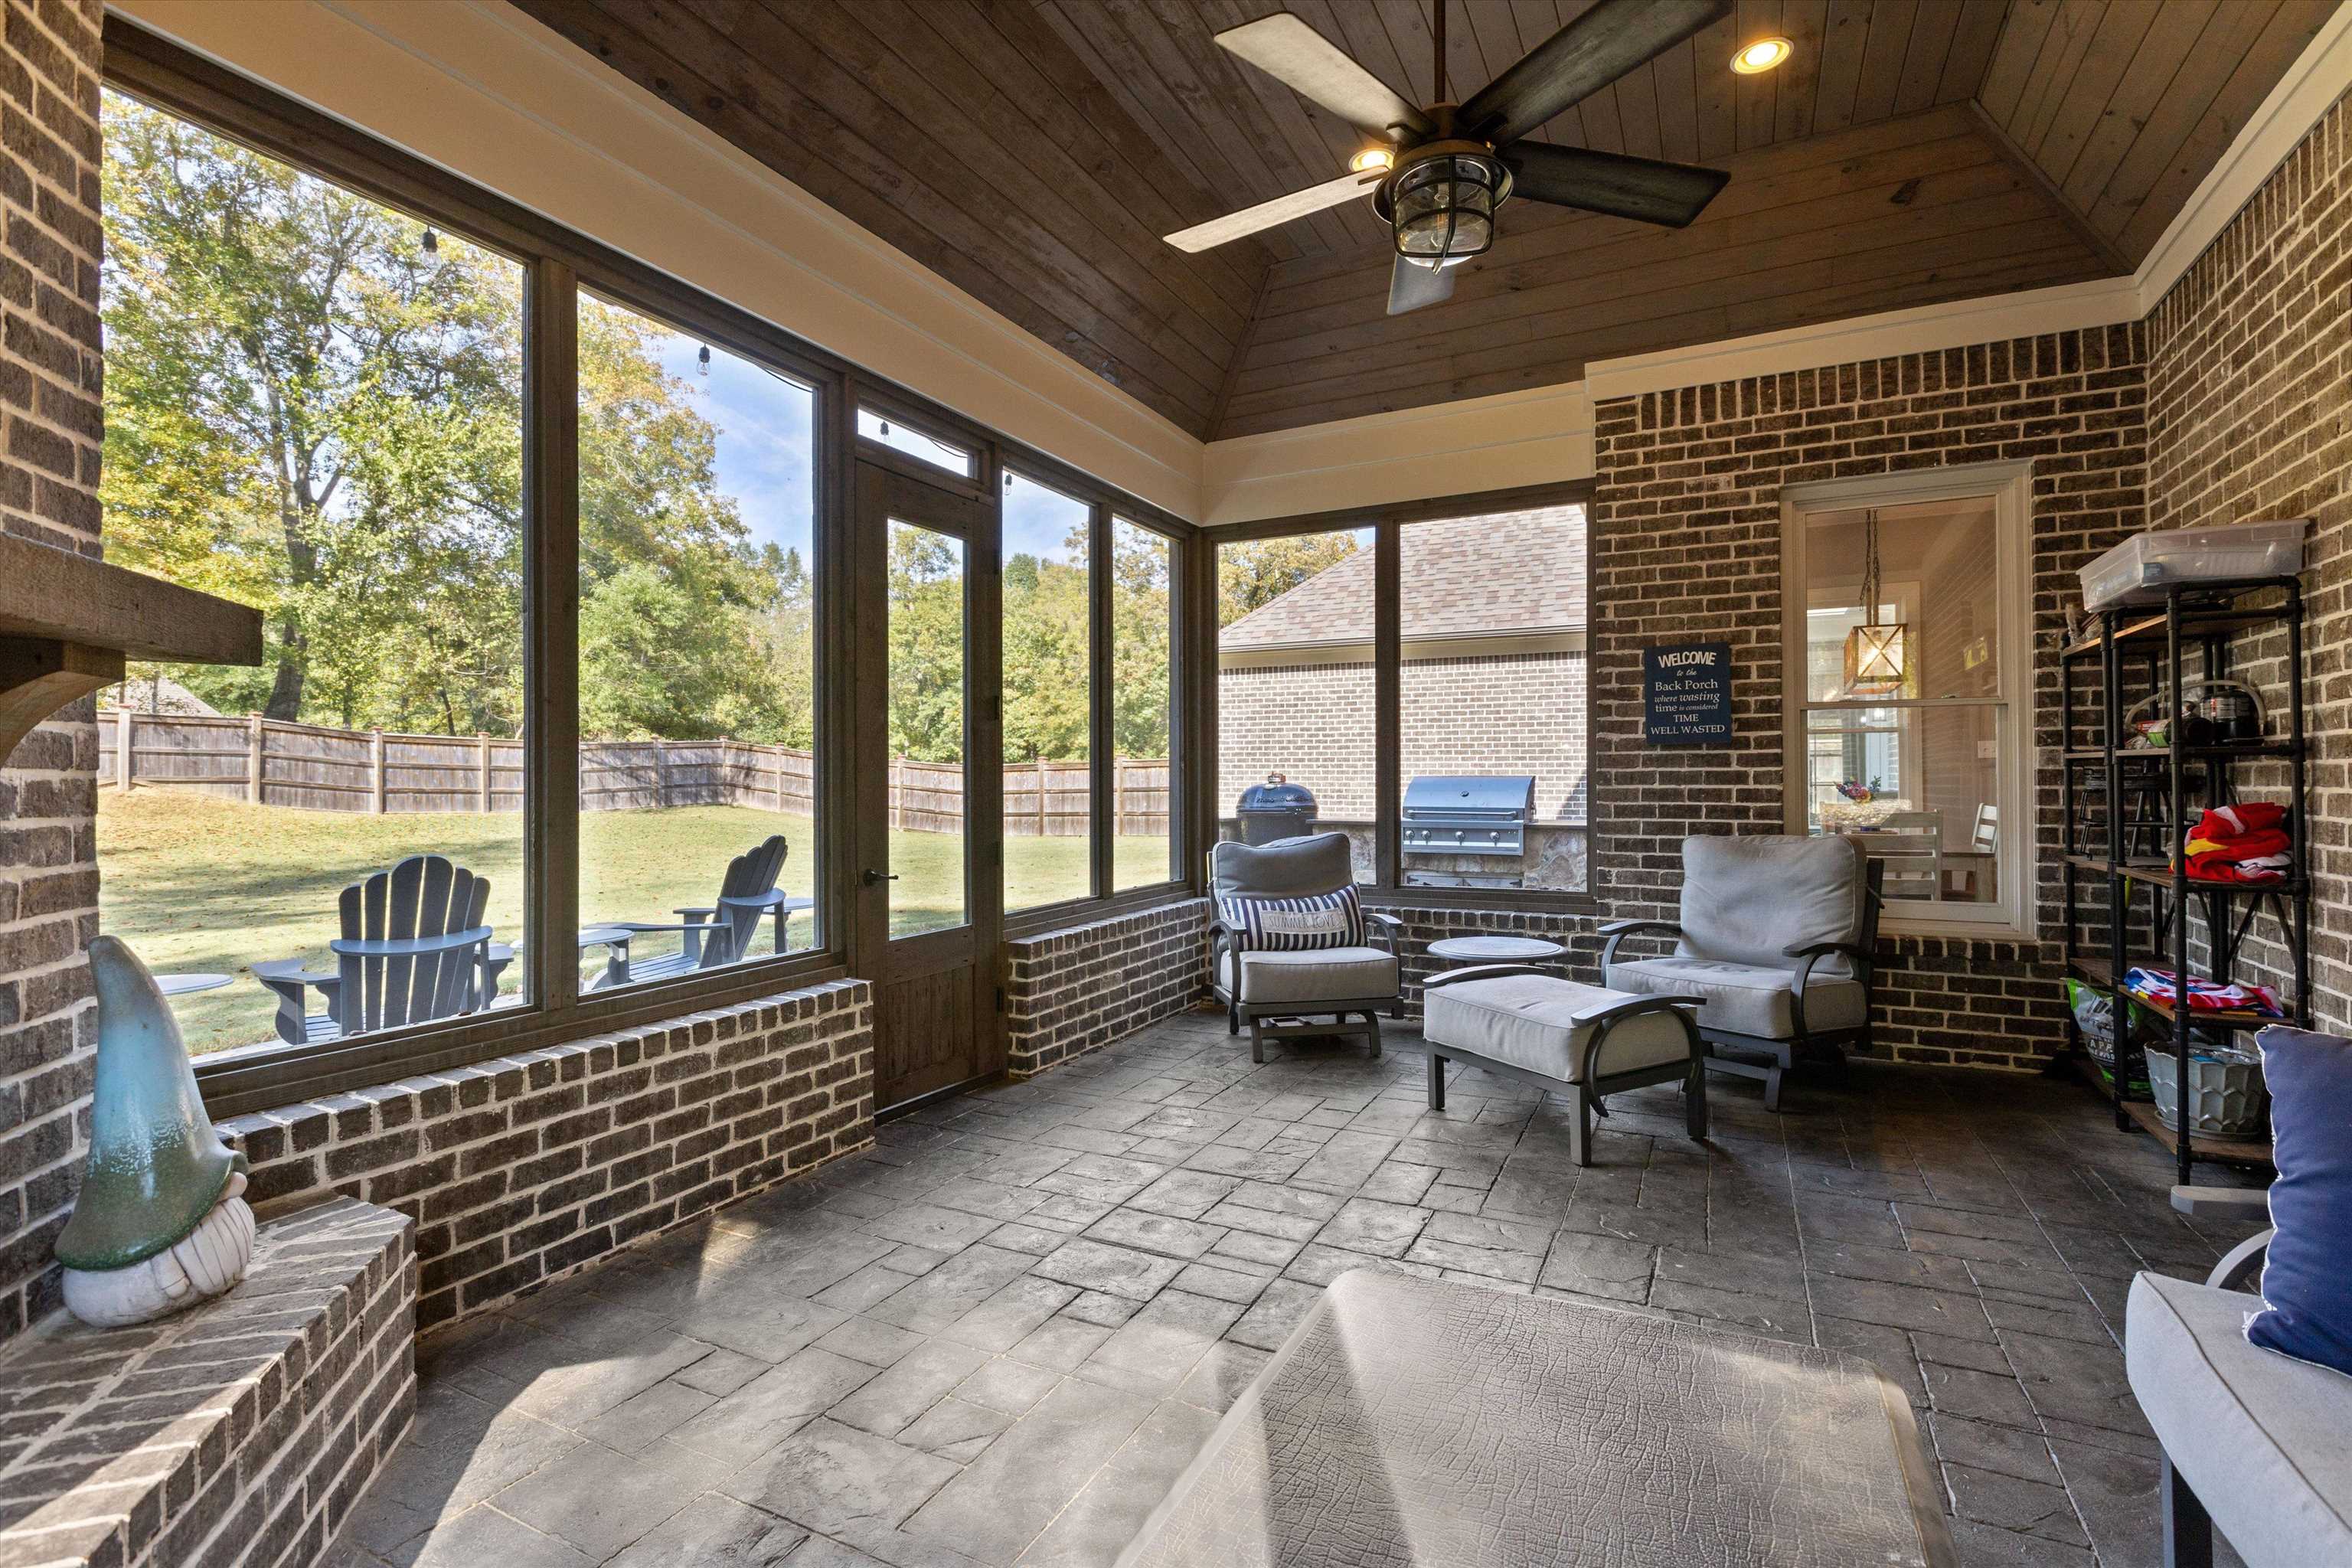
[(1876, 656)]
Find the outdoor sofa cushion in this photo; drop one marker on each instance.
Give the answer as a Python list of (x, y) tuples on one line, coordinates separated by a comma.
[(1285, 868), (1749, 898), (1321, 975), (1744, 998), (2259, 1436), (1539, 1023), (2307, 1271)]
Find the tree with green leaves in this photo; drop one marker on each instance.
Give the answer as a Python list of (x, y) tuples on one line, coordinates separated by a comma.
[(1260, 571)]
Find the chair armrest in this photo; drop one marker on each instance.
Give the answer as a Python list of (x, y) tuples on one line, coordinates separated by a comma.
[(1389, 922), (2223, 1203), (1658, 1003), (2241, 1267), (703, 911), (641, 928), (1628, 928), (277, 970), (1824, 948)]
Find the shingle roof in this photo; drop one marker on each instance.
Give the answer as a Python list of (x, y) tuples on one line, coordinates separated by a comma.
[(1512, 571)]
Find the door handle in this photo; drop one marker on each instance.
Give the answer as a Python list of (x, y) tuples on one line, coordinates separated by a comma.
[(873, 877)]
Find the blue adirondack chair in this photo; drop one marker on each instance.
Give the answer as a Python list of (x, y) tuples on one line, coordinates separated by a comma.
[(712, 935), (414, 948)]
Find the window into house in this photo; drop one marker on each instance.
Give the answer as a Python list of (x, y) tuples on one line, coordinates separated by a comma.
[(698, 672), (314, 406), (1296, 689), (1142, 610), (1908, 730), (1048, 643), (901, 437), (1492, 732)]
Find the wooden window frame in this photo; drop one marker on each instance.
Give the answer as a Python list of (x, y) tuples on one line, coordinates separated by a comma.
[(1388, 523), (559, 263)]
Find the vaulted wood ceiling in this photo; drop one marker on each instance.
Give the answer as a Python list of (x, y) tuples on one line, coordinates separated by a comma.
[(1032, 151)]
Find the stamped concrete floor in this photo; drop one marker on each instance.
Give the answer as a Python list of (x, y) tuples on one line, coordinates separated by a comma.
[(998, 1337)]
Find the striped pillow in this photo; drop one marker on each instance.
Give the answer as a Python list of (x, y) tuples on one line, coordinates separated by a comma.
[(1295, 925)]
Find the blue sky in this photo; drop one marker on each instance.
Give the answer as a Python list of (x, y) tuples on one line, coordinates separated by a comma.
[(766, 445)]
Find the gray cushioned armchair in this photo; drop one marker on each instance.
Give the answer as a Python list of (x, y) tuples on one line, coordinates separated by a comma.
[(1260, 986), (1775, 939)]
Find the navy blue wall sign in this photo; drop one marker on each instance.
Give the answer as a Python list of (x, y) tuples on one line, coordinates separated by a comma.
[(1686, 694)]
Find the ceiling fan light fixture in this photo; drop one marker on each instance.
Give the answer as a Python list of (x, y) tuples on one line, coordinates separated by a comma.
[(1761, 55), (1372, 160), (1442, 209)]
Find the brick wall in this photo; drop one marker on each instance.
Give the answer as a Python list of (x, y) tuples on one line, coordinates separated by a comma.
[(1489, 713), (50, 427), (1686, 547), (2249, 418), (242, 1431), (521, 1168), (1070, 992)]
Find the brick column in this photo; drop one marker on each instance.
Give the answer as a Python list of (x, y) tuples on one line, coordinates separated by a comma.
[(50, 430)]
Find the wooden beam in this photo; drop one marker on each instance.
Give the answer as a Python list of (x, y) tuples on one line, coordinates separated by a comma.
[(54, 594), (41, 674)]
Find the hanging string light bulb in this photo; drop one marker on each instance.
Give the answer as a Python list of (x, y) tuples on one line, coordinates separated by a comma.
[(1876, 654), (702, 361), (432, 241)]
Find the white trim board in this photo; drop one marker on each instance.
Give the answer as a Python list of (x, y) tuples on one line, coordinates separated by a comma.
[(481, 90)]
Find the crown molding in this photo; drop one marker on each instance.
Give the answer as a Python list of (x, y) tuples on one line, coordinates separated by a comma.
[(483, 91)]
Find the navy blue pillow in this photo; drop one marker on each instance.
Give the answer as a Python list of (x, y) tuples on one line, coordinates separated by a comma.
[(2308, 1276)]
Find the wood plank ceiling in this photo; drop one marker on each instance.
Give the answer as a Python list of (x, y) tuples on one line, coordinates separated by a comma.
[(1032, 151)]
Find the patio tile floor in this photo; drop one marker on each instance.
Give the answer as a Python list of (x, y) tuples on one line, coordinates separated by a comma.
[(998, 1337)]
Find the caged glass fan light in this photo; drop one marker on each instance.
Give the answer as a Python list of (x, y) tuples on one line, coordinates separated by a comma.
[(1877, 654)]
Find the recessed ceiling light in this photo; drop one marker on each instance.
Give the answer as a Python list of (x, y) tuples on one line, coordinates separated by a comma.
[(1370, 159), (1761, 55)]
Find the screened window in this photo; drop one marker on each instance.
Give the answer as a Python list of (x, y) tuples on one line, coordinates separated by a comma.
[(1296, 689), (698, 694), (1492, 733), (1142, 624), (1048, 654), (1907, 731), (313, 406), (900, 436)]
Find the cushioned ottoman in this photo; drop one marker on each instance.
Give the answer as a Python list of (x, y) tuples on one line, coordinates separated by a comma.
[(1415, 1422), (1563, 1037)]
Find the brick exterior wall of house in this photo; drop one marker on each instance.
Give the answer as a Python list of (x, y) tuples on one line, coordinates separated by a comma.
[(241, 1431), (1488, 713), (520, 1170), (1072, 991), (49, 428), (2250, 404), (1686, 547)]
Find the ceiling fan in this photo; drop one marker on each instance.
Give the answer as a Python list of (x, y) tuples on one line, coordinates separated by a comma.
[(1444, 168)]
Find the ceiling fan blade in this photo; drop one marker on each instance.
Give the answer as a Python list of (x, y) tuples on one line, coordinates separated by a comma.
[(1582, 59), (1311, 66), (1265, 214), (1412, 287), (1612, 182)]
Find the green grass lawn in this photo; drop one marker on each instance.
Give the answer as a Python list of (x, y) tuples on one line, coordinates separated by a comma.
[(197, 884)]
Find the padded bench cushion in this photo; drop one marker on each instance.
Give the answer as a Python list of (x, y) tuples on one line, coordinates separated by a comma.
[(1541, 1025), (1745, 998), (1317, 975), (2260, 1436)]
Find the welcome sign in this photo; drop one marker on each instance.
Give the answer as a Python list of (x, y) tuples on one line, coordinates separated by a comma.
[(1686, 694)]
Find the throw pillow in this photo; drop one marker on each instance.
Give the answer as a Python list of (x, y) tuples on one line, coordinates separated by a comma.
[(1295, 925), (2308, 1276)]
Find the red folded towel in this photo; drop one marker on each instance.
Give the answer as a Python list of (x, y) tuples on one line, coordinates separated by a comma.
[(2239, 844)]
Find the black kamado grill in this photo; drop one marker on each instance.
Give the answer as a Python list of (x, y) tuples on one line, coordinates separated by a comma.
[(1481, 815), (1276, 809)]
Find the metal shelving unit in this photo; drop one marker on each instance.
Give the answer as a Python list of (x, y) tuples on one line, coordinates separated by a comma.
[(2148, 798)]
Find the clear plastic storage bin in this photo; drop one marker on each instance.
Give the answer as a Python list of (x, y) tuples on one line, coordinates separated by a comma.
[(2137, 571)]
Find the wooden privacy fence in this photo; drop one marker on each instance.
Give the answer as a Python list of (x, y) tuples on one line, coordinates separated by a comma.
[(272, 762)]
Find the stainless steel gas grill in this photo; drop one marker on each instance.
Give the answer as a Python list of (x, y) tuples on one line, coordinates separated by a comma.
[(1482, 815)]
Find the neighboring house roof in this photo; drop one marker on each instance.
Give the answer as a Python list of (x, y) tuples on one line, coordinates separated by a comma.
[(1506, 573), (160, 695)]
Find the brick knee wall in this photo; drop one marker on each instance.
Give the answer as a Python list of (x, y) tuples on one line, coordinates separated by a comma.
[(524, 1168), (50, 421), (1072, 991), (239, 1432)]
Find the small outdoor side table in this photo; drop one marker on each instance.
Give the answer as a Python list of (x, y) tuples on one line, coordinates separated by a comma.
[(1497, 949), (188, 984)]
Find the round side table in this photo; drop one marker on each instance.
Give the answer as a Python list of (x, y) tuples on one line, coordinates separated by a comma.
[(186, 984), (1497, 949)]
